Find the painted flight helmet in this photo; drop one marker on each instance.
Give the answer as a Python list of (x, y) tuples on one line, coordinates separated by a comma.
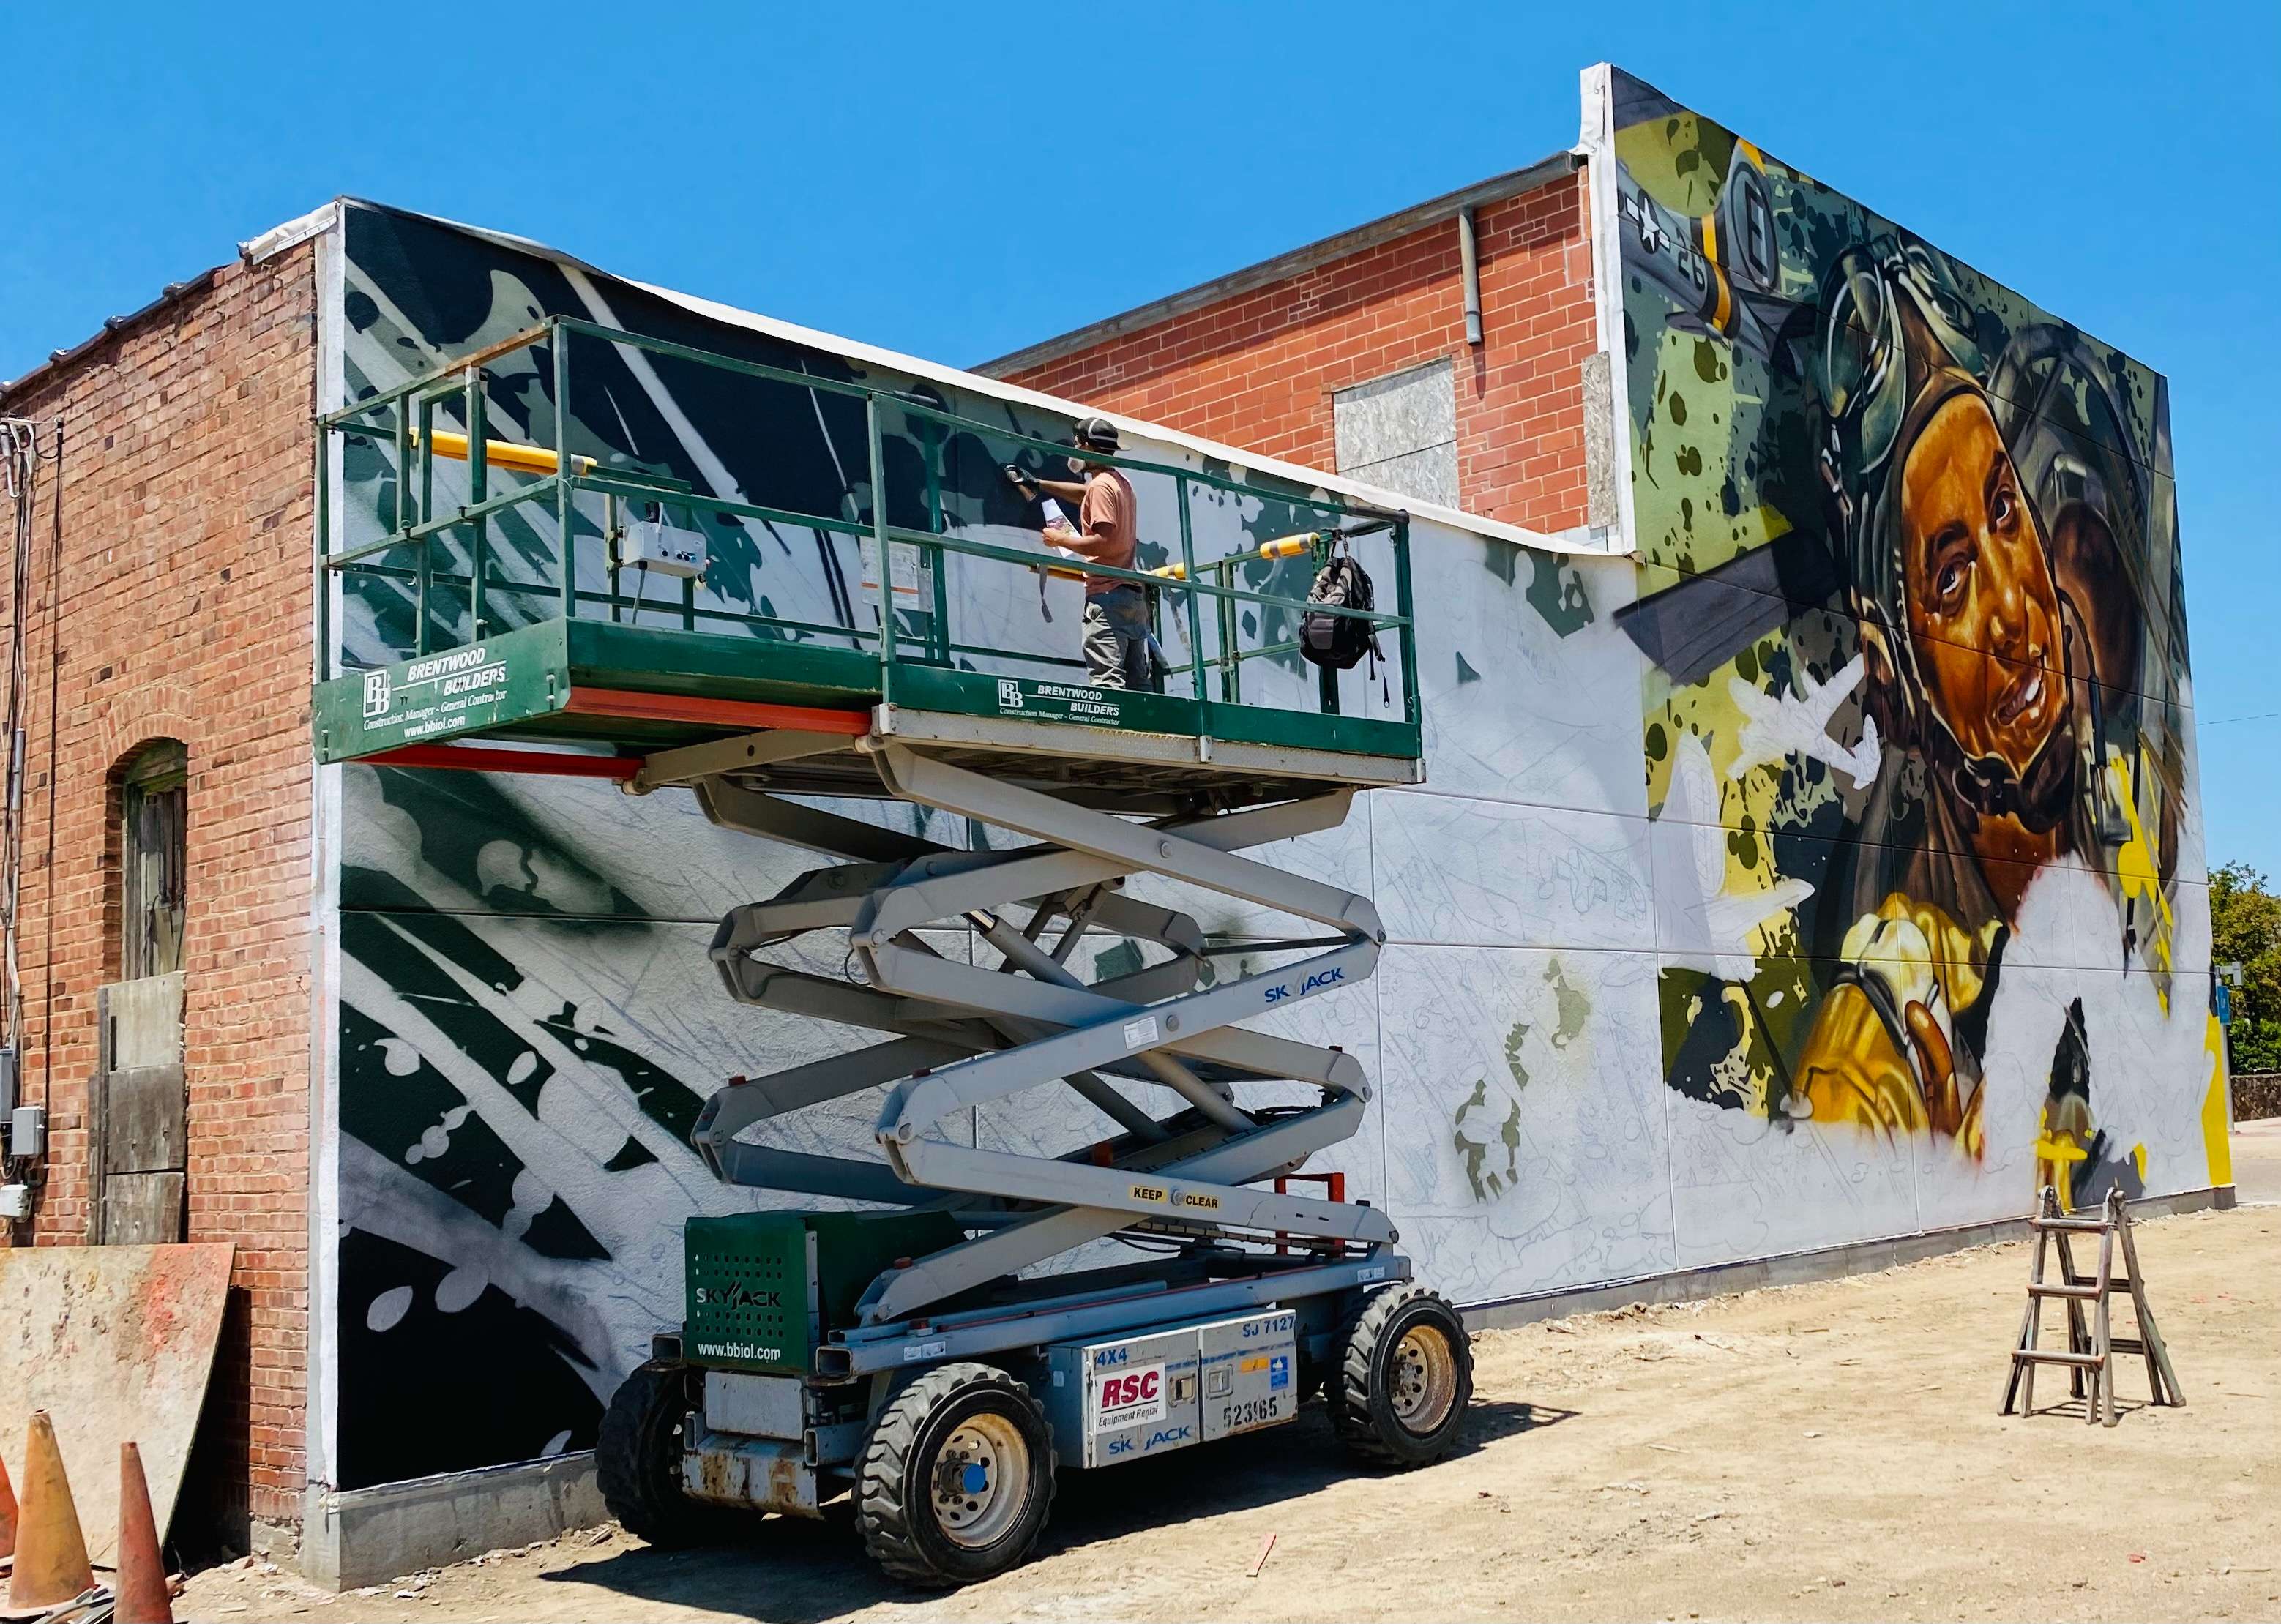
[(2065, 422), (2108, 525)]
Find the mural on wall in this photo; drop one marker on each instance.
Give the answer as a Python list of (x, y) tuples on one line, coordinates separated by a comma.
[(526, 1022), (1900, 873), (1917, 726)]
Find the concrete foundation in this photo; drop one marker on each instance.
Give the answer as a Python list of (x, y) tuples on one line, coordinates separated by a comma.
[(360, 1536), (1797, 1268)]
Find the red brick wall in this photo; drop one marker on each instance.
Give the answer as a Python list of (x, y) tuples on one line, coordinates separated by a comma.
[(1257, 370), (187, 495)]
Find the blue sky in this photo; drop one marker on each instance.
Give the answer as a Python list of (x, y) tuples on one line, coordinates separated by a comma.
[(909, 176)]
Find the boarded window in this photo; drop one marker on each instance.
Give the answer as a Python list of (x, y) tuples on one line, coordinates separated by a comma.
[(1400, 432), (151, 806)]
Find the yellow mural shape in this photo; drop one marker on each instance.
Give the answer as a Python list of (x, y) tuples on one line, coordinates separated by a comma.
[(2056, 1154), (2215, 1141), (2139, 877)]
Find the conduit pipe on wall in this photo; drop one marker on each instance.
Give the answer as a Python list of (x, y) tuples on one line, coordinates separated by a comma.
[(1473, 274)]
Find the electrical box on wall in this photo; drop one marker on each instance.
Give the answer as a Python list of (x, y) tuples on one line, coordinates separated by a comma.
[(7, 1079), (28, 1130)]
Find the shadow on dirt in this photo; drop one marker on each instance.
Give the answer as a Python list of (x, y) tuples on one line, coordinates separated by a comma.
[(790, 1571)]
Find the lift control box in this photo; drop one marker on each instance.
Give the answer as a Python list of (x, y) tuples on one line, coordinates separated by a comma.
[(666, 549), (1144, 1395)]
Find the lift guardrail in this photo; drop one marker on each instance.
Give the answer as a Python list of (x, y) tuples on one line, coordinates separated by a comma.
[(406, 417)]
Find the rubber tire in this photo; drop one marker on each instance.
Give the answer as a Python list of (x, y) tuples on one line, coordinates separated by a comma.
[(637, 1461), (892, 1507), (1359, 1392)]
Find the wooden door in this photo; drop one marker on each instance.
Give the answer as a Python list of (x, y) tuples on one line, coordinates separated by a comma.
[(139, 1137)]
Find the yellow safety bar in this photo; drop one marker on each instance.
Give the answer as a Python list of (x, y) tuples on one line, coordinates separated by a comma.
[(1282, 546), (505, 453)]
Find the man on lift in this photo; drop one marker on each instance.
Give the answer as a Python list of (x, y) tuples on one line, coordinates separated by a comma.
[(1116, 612)]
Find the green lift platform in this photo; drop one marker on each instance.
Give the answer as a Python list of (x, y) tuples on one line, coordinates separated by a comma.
[(925, 1350)]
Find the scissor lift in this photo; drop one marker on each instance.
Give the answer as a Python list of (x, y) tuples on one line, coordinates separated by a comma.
[(950, 1330)]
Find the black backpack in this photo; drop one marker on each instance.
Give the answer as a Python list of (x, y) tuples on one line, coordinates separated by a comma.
[(1340, 641)]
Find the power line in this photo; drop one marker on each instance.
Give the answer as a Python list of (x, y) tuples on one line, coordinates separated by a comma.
[(2263, 715)]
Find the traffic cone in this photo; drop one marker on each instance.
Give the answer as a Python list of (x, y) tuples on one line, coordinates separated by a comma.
[(50, 1555), (7, 1512), (141, 1583)]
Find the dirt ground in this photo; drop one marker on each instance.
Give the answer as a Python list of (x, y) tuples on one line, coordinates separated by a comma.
[(1826, 1451)]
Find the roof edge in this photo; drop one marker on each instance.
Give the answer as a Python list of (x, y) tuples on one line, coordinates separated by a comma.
[(253, 251), (113, 325), (292, 234), (1321, 252)]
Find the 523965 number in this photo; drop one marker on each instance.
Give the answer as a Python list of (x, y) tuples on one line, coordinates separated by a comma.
[(1250, 1412)]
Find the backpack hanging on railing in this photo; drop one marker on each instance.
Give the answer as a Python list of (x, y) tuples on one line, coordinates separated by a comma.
[(1338, 642)]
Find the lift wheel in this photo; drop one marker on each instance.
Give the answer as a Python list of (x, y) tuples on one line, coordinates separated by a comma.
[(957, 1477), (1399, 1395)]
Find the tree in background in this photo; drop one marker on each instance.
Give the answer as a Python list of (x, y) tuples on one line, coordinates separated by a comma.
[(2245, 925)]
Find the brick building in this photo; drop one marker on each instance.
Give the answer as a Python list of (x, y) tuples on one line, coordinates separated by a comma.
[(169, 616), (1446, 351)]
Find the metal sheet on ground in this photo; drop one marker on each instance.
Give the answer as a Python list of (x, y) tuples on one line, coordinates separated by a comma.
[(115, 1343)]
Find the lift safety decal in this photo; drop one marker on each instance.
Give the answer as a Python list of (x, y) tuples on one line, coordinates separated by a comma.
[(1164, 1197)]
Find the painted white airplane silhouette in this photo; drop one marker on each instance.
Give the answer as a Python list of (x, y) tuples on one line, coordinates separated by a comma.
[(1775, 726)]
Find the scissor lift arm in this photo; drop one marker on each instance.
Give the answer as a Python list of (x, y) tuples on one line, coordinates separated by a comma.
[(966, 1036)]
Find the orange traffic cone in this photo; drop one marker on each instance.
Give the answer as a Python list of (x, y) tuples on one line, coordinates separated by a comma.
[(141, 1583), (7, 1513), (50, 1555)]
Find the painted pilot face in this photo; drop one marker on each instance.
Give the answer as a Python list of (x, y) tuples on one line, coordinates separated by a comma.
[(1979, 583)]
